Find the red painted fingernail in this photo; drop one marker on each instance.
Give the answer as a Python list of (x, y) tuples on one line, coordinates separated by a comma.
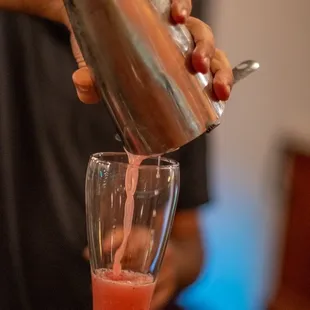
[(184, 13), (228, 89), (206, 62)]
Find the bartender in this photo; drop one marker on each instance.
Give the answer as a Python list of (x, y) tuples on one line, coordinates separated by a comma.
[(46, 137)]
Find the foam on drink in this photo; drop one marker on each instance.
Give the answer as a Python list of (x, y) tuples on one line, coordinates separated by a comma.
[(127, 291)]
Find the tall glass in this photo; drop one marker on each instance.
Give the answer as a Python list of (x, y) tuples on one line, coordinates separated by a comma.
[(130, 210)]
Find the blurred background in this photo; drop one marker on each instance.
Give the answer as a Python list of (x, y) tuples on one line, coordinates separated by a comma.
[(246, 224)]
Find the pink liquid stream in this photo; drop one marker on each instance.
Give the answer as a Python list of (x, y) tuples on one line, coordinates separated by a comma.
[(118, 289), (131, 181)]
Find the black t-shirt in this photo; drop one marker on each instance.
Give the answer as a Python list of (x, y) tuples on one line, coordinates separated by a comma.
[(46, 138)]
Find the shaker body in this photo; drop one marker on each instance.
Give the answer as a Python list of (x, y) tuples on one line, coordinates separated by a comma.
[(142, 67)]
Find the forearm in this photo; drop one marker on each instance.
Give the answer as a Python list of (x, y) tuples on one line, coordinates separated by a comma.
[(12, 5), (188, 262), (188, 248)]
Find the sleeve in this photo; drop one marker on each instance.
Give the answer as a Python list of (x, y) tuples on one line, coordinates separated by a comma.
[(193, 173)]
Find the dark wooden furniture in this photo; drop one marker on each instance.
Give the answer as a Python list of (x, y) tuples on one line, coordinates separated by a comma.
[(293, 291)]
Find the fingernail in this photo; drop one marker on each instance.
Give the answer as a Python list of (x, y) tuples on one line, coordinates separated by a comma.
[(206, 62), (184, 13), (83, 88), (228, 89)]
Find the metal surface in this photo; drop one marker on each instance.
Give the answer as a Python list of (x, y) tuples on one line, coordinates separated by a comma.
[(244, 69), (142, 66)]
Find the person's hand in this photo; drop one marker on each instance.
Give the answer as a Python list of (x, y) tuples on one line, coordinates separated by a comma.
[(167, 284), (205, 56)]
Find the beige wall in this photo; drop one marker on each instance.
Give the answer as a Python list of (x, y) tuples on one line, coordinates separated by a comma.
[(244, 223)]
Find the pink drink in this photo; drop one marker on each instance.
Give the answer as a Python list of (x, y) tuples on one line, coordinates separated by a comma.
[(131, 181), (126, 291)]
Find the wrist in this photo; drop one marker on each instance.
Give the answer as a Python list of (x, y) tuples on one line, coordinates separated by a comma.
[(187, 261), (174, 254)]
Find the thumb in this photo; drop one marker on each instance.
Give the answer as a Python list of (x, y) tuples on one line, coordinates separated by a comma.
[(82, 78)]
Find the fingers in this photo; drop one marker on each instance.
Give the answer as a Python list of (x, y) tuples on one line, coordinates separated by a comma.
[(206, 57), (137, 253), (82, 80), (223, 75), (77, 52), (180, 10), (204, 41), (139, 237), (85, 87), (113, 240)]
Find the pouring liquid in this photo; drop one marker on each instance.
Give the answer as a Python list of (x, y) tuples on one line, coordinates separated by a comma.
[(131, 181)]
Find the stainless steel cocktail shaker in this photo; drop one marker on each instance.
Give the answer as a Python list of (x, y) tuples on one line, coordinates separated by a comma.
[(142, 66)]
